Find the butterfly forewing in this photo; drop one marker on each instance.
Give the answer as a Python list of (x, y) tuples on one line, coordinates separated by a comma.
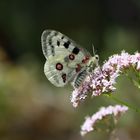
[(64, 57)]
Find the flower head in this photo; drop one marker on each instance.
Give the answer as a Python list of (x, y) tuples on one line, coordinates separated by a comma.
[(90, 122), (103, 79)]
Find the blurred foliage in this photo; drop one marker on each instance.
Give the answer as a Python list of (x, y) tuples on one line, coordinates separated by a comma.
[(32, 108)]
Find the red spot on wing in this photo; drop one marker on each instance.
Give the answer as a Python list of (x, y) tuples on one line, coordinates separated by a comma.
[(86, 59), (59, 66), (78, 68), (71, 57)]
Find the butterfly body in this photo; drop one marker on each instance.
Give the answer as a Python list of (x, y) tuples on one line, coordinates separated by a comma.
[(65, 60)]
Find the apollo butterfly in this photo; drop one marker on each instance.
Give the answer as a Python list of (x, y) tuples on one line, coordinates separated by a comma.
[(66, 61)]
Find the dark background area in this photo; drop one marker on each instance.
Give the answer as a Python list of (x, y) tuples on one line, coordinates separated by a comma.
[(33, 109)]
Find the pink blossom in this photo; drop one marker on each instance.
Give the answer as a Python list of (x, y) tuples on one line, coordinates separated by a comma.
[(90, 122), (103, 79)]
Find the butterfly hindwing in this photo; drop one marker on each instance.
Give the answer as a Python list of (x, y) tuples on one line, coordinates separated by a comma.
[(58, 73), (63, 57)]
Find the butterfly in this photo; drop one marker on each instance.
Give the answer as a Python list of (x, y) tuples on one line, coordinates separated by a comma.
[(66, 61)]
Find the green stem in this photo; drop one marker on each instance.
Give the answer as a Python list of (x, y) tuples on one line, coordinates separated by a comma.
[(123, 103)]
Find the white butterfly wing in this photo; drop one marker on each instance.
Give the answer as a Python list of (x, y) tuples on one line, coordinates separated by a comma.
[(63, 57), (59, 78)]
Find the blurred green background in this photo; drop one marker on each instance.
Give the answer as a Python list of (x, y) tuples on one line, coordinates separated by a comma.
[(33, 109)]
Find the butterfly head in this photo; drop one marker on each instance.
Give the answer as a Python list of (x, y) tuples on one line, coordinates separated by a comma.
[(92, 63)]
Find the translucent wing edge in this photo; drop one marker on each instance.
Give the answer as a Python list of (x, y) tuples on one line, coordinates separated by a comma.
[(44, 41)]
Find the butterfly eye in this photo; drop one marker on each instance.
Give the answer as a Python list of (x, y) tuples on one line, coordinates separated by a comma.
[(59, 66), (96, 57), (71, 57)]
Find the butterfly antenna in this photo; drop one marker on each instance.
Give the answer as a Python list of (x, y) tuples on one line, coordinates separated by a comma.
[(94, 52)]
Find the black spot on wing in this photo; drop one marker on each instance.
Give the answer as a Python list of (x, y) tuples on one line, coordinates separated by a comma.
[(56, 33), (58, 43), (64, 76), (66, 44), (50, 42), (53, 53), (75, 50)]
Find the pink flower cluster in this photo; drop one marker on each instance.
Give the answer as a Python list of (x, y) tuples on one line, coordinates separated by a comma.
[(90, 122), (103, 79)]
